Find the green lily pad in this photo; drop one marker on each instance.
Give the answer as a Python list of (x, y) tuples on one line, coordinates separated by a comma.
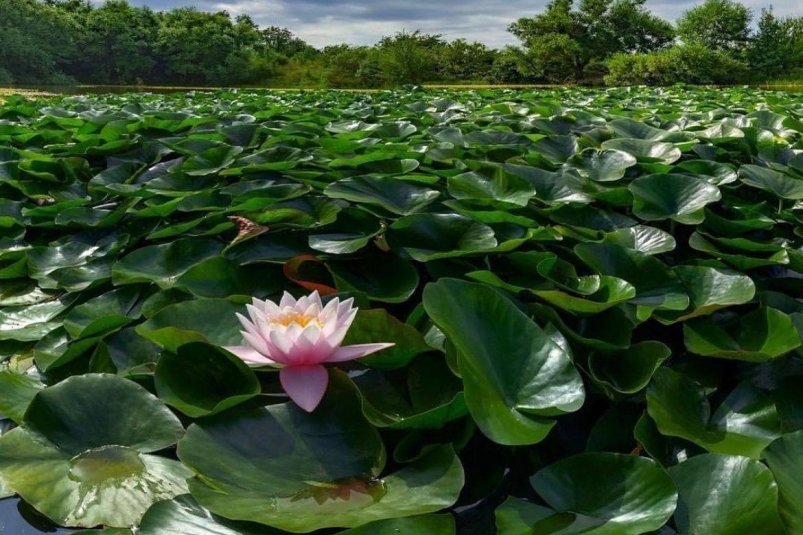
[(556, 148), (165, 263), (656, 286), (371, 326), (631, 495), (744, 424), (511, 399), (518, 517), (81, 455), (645, 151), (199, 379), (184, 516), (394, 195), (744, 259), (316, 470), (785, 459), (761, 335), (218, 277), (16, 393), (642, 238), (499, 187), (679, 197), (428, 397), (602, 165), (775, 182), (629, 128), (428, 237), (711, 289), (412, 525), (196, 320), (30, 323), (104, 313), (628, 371), (391, 279), (725, 495)]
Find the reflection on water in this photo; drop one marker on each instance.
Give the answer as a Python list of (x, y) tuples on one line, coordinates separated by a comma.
[(18, 518)]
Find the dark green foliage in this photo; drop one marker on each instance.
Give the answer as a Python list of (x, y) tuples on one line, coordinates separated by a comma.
[(562, 42), (594, 295), (777, 47), (28, 51), (693, 63)]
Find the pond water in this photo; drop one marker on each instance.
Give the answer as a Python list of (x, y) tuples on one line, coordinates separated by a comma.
[(18, 518)]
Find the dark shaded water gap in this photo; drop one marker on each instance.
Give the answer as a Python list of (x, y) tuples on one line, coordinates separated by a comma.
[(18, 518)]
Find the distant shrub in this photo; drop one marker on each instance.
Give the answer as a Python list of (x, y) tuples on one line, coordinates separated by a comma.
[(689, 63)]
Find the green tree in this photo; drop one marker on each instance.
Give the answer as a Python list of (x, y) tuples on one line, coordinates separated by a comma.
[(28, 51), (352, 66), (463, 60), (562, 41), (717, 24), (116, 44), (195, 47), (507, 67), (777, 47), (409, 58), (284, 42)]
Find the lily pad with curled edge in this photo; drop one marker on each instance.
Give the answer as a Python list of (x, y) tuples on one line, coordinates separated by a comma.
[(602, 165), (672, 196), (298, 471), (630, 494), (82, 455), (759, 336), (725, 495), (512, 399)]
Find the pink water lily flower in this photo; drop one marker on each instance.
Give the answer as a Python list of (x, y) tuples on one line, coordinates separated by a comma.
[(300, 336)]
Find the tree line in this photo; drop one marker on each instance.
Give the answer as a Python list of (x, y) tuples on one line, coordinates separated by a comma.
[(618, 42)]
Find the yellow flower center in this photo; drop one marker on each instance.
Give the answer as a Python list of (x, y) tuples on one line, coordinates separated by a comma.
[(302, 320)]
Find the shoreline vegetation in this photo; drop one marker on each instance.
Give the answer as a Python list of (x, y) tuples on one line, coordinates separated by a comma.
[(585, 43), (45, 91)]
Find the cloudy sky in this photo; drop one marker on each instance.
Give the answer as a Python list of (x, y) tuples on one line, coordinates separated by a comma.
[(324, 22)]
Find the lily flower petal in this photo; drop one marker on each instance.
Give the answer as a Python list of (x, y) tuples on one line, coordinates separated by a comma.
[(345, 353), (287, 301), (305, 384), (248, 354), (256, 342)]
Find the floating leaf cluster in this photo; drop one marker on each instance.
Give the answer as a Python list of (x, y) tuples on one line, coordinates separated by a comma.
[(595, 299)]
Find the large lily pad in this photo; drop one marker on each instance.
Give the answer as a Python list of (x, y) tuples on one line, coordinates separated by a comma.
[(744, 424), (761, 335), (82, 456), (665, 196), (511, 399), (316, 470), (630, 495), (725, 495)]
